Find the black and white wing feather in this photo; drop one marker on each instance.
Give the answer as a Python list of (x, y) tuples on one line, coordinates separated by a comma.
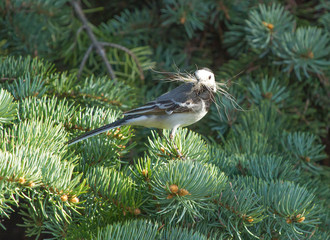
[(180, 99)]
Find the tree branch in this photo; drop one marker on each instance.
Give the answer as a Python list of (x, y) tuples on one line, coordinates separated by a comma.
[(5, 79), (99, 45), (96, 44), (129, 52), (82, 64)]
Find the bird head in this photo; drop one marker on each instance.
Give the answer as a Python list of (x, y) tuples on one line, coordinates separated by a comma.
[(206, 77)]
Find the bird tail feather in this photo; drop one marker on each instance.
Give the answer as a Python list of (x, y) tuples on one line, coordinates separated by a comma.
[(94, 132)]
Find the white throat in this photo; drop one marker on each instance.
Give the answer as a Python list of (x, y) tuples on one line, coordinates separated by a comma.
[(206, 77)]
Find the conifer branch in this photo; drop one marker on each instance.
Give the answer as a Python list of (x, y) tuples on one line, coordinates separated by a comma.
[(99, 46), (95, 43), (83, 62), (253, 170), (129, 52)]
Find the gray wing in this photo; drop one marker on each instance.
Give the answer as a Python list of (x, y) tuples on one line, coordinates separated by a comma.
[(178, 94), (180, 99)]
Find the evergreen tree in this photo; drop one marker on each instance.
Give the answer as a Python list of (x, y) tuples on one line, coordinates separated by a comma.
[(254, 168)]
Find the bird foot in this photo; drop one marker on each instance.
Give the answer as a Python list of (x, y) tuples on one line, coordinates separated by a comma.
[(176, 148), (179, 152)]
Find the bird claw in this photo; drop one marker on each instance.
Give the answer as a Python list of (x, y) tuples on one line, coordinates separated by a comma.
[(179, 154)]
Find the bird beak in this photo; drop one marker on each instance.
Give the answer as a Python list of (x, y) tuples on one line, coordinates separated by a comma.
[(197, 78)]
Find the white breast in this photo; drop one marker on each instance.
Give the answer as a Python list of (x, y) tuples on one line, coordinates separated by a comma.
[(167, 121)]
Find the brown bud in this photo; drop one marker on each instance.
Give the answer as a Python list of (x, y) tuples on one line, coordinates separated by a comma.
[(270, 26), (183, 192), (170, 196), (129, 209), (21, 180), (288, 220), (74, 199), (137, 211), (310, 54), (31, 184), (300, 219), (174, 188), (145, 172), (250, 219), (183, 18), (64, 198), (267, 95)]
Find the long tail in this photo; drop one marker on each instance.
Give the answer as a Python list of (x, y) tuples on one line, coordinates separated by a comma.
[(94, 132)]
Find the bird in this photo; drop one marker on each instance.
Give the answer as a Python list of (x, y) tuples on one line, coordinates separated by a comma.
[(180, 107)]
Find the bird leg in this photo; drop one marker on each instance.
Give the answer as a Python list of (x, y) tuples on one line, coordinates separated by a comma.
[(175, 146)]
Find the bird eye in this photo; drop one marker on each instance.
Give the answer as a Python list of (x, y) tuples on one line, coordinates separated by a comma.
[(210, 77)]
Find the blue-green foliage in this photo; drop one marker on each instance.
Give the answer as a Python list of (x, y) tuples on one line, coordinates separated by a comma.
[(266, 25), (183, 12), (252, 168), (306, 51), (7, 107), (37, 29)]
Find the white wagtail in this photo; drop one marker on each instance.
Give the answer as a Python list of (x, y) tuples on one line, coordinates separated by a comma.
[(180, 107)]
